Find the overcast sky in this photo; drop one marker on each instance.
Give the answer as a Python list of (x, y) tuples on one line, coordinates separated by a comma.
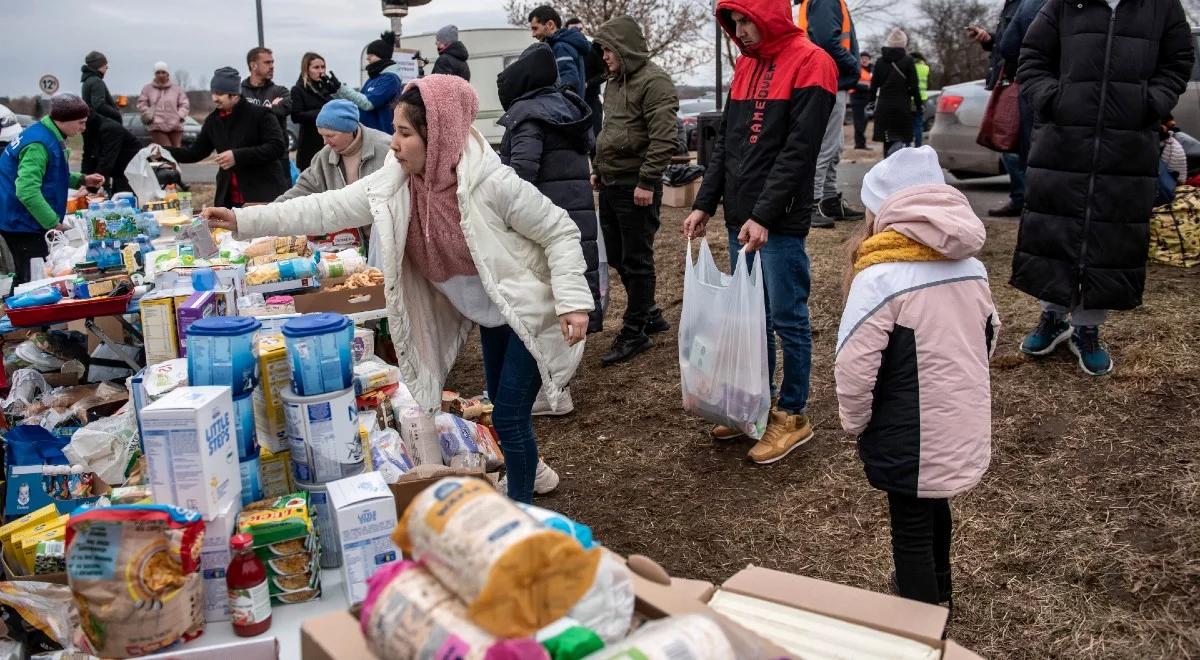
[(198, 37)]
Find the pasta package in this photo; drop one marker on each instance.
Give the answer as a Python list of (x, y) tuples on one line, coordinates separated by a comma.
[(134, 574), (515, 575)]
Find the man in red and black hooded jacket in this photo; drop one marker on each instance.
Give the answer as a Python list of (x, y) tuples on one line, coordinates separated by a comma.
[(762, 170)]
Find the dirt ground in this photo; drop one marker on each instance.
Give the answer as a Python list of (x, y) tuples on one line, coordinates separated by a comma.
[(1083, 540)]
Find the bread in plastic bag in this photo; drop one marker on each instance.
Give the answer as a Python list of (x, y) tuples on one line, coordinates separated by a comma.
[(514, 574), (723, 344)]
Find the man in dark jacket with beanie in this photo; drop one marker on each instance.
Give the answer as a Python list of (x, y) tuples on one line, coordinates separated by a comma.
[(95, 91), (1100, 76), (633, 150), (34, 180), (762, 170), (547, 140), (248, 143), (452, 54), (107, 149), (829, 25)]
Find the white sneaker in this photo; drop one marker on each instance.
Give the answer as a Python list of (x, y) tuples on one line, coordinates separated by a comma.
[(545, 480), (542, 408)]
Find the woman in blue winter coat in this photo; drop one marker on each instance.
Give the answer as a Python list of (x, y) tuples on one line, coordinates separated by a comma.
[(547, 139)]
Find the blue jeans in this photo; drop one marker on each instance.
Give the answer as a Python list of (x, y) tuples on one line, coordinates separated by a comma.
[(918, 130), (513, 382), (787, 282), (1016, 178)]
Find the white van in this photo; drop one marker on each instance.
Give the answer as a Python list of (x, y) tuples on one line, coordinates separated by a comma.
[(490, 50)]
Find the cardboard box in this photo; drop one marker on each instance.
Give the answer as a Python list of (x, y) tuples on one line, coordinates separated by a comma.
[(919, 622), (363, 516), (191, 451), (232, 277), (681, 196), (270, 288), (333, 636), (346, 301), (158, 326), (16, 574)]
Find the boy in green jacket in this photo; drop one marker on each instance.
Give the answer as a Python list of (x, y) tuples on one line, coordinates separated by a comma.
[(35, 178)]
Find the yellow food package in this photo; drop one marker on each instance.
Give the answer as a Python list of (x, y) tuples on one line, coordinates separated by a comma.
[(515, 575), (275, 472), (275, 374), (48, 512), (13, 547), (28, 545)]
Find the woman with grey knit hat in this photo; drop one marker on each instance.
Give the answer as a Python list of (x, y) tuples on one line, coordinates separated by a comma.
[(896, 91)]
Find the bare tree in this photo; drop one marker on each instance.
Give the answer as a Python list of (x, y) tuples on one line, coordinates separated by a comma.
[(676, 31), (183, 79), (952, 57), (871, 11)]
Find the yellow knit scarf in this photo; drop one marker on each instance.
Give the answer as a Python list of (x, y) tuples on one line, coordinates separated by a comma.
[(889, 246)]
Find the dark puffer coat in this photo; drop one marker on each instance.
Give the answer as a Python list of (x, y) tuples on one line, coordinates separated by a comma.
[(453, 61), (1099, 83), (547, 139), (897, 92)]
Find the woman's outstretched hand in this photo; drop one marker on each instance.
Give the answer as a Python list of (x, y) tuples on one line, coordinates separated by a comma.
[(220, 218), (574, 327)]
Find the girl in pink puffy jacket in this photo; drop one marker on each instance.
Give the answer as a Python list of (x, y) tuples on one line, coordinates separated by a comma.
[(917, 332)]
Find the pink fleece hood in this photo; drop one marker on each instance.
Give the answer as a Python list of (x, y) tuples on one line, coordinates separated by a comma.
[(936, 215)]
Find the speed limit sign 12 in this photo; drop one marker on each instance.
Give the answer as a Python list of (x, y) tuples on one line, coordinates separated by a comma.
[(48, 85)]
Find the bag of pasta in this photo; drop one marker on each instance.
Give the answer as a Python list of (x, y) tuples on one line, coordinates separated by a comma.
[(134, 573)]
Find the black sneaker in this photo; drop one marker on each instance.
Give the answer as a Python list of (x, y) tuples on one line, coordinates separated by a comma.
[(818, 221), (837, 208), (657, 323), (626, 347)]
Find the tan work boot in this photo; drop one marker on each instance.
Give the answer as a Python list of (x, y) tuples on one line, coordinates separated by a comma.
[(784, 433), (726, 433)]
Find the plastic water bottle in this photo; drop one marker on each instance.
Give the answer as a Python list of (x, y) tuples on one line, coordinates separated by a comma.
[(93, 215), (128, 220), (93, 252), (144, 245), (149, 226)]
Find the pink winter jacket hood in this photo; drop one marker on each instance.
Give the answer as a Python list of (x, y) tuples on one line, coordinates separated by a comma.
[(913, 351)]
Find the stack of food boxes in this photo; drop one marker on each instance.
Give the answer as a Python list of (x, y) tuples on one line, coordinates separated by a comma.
[(286, 541)]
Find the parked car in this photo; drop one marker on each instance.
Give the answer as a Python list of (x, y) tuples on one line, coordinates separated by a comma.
[(133, 124), (958, 114), (689, 113)]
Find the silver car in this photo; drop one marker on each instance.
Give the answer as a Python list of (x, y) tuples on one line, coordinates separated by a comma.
[(959, 113)]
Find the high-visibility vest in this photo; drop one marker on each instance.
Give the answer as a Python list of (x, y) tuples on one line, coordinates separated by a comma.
[(802, 21)]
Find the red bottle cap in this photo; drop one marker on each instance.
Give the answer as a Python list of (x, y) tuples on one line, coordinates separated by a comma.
[(241, 541)]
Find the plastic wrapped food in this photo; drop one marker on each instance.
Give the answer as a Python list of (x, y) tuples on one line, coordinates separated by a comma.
[(39, 616), (388, 455), (135, 574), (459, 436), (685, 637), (515, 575)]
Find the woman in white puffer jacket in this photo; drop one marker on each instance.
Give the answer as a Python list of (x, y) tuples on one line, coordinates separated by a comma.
[(463, 242)]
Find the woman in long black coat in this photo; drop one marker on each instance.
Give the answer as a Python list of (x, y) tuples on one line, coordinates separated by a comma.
[(897, 94), (1099, 80)]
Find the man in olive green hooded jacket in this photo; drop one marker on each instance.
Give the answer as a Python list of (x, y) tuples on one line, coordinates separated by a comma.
[(632, 152)]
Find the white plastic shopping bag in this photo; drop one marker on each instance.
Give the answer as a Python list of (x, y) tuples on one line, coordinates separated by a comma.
[(140, 172), (723, 344)]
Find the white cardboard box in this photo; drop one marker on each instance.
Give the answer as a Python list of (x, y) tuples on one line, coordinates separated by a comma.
[(364, 515), (215, 556), (191, 450)]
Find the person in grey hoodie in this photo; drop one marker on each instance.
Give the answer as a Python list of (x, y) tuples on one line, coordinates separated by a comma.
[(259, 89)]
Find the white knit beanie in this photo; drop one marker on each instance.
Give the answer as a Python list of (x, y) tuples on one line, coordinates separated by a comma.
[(897, 39), (904, 169)]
